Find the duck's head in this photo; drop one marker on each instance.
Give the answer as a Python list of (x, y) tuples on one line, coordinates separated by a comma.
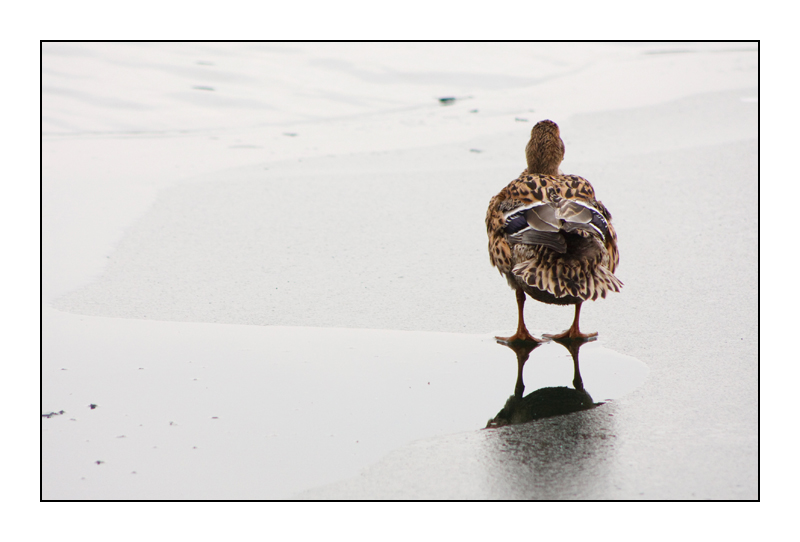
[(545, 150)]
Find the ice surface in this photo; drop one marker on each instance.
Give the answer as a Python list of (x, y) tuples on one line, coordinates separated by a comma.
[(220, 203)]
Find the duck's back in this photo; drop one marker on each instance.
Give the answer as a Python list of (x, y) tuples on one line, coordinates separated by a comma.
[(550, 235)]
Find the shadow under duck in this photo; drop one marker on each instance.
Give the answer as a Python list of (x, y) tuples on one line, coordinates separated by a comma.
[(550, 236)]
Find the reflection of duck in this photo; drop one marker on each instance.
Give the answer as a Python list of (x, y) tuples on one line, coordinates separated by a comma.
[(550, 236), (544, 402)]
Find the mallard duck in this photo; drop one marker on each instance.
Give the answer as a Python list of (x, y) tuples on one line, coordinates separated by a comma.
[(550, 237)]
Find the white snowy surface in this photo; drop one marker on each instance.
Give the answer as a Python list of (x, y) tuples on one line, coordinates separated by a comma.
[(200, 198)]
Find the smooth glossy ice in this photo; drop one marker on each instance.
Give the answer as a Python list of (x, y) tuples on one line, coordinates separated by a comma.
[(203, 411)]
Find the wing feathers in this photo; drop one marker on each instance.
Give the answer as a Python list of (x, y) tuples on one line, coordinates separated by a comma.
[(529, 225), (551, 233), (543, 218)]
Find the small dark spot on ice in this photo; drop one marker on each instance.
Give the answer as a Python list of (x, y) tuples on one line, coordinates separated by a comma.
[(93, 406), (448, 100), (475, 150), (99, 462), (520, 119), (290, 134), (202, 87)]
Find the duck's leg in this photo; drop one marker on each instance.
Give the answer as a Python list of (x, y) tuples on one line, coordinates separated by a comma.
[(574, 331), (522, 332)]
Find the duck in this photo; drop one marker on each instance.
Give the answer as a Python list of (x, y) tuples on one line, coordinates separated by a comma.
[(550, 237)]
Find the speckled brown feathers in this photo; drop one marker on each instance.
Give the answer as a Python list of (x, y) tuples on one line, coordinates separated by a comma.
[(584, 272)]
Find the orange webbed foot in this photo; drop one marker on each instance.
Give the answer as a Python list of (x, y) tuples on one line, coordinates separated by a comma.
[(519, 337), (571, 335)]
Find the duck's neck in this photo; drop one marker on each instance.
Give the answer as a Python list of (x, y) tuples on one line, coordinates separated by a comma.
[(543, 159), (543, 168)]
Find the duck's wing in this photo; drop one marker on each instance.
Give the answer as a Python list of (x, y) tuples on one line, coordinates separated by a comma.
[(611, 238), (573, 187), (506, 216), (545, 223)]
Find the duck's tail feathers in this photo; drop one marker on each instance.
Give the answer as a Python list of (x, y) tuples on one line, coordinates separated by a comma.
[(606, 280), (563, 279)]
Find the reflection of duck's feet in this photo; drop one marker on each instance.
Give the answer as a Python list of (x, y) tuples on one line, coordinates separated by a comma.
[(522, 348), (574, 345)]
